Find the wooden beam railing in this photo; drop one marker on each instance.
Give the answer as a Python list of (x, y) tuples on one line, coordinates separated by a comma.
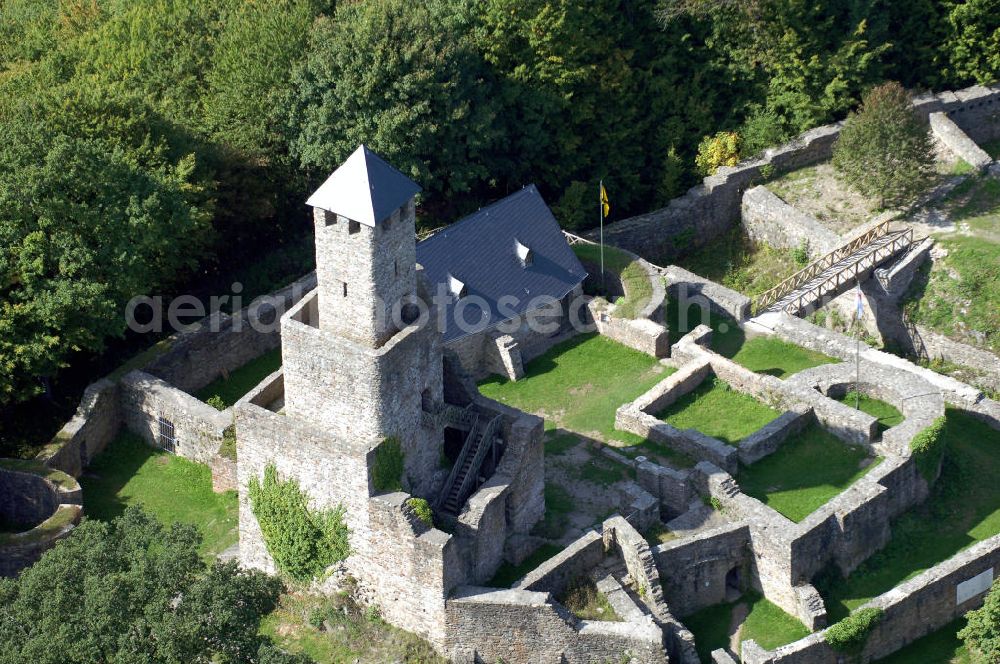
[(814, 269), (851, 273)]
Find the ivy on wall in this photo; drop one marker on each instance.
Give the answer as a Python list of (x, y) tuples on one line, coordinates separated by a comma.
[(851, 634), (927, 449), (302, 541)]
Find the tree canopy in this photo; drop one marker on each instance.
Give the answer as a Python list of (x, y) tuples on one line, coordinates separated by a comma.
[(143, 140), (134, 591)]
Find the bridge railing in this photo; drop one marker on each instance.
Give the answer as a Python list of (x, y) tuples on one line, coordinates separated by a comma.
[(851, 273), (814, 269)]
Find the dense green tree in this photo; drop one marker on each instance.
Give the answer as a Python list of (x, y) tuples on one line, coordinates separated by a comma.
[(404, 79), (884, 150), (973, 46), (132, 591), (96, 205), (982, 632)]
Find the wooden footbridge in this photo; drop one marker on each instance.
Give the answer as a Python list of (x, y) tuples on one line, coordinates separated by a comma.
[(834, 273)]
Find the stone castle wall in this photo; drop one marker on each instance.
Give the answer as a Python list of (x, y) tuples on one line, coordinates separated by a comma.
[(95, 424), (710, 209), (913, 609), (694, 570), (221, 343), (46, 503), (198, 427)]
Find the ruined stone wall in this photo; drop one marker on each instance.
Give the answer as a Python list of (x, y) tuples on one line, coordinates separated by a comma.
[(197, 426), (355, 390), (557, 573), (708, 210), (693, 570), (771, 221), (690, 291), (913, 609), (46, 503), (94, 425), (524, 627), (409, 567), (221, 343), (956, 141)]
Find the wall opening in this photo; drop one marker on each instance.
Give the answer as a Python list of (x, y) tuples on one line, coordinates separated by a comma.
[(733, 589), (454, 439), (353, 227), (167, 438)]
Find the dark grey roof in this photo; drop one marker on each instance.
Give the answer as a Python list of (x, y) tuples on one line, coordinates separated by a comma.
[(479, 251), (364, 188)]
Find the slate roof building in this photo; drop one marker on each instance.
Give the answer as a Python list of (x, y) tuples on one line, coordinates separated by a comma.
[(493, 271)]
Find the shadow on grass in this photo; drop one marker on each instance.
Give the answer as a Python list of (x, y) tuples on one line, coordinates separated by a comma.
[(962, 509), (110, 471)]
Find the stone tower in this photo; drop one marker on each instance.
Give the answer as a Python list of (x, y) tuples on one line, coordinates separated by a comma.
[(365, 247), (351, 366)]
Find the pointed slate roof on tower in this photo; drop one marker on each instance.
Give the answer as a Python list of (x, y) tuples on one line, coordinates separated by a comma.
[(365, 189)]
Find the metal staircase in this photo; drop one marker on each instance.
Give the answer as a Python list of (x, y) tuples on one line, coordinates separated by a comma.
[(464, 477)]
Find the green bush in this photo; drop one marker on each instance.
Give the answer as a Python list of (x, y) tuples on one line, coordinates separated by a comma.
[(227, 450), (927, 449), (723, 149), (851, 633), (303, 542), (387, 470), (422, 509), (982, 632), (216, 402)]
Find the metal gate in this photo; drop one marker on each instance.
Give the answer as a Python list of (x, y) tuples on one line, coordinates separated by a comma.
[(167, 440)]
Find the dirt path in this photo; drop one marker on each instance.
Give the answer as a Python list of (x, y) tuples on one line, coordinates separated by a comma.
[(740, 613)]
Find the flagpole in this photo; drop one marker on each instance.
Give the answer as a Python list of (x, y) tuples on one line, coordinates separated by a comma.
[(857, 351), (600, 206)]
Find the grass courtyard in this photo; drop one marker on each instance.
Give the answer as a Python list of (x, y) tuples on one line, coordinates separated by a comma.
[(635, 281), (579, 384), (231, 389), (811, 467), (959, 294), (170, 487), (716, 409), (963, 508), (940, 647), (765, 623), (887, 414)]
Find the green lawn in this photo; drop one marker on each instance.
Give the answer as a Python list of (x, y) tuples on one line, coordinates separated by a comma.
[(171, 487), (940, 647), (579, 384), (244, 379), (634, 278), (887, 414), (811, 467), (770, 626), (776, 357), (586, 602), (703, 408), (959, 295), (710, 627), (766, 624), (963, 508)]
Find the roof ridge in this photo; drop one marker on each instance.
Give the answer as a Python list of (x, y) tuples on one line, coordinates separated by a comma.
[(526, 188)]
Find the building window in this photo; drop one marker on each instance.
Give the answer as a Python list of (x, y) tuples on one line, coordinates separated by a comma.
[(167, 439), (456, 286), (353, 227), (344, 284), (524, 254)]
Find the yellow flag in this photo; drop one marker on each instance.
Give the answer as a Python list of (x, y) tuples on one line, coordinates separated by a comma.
[(604, 200)]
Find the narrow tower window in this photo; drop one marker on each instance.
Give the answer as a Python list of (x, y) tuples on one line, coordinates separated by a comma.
[(345, 288), (353, 227)]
